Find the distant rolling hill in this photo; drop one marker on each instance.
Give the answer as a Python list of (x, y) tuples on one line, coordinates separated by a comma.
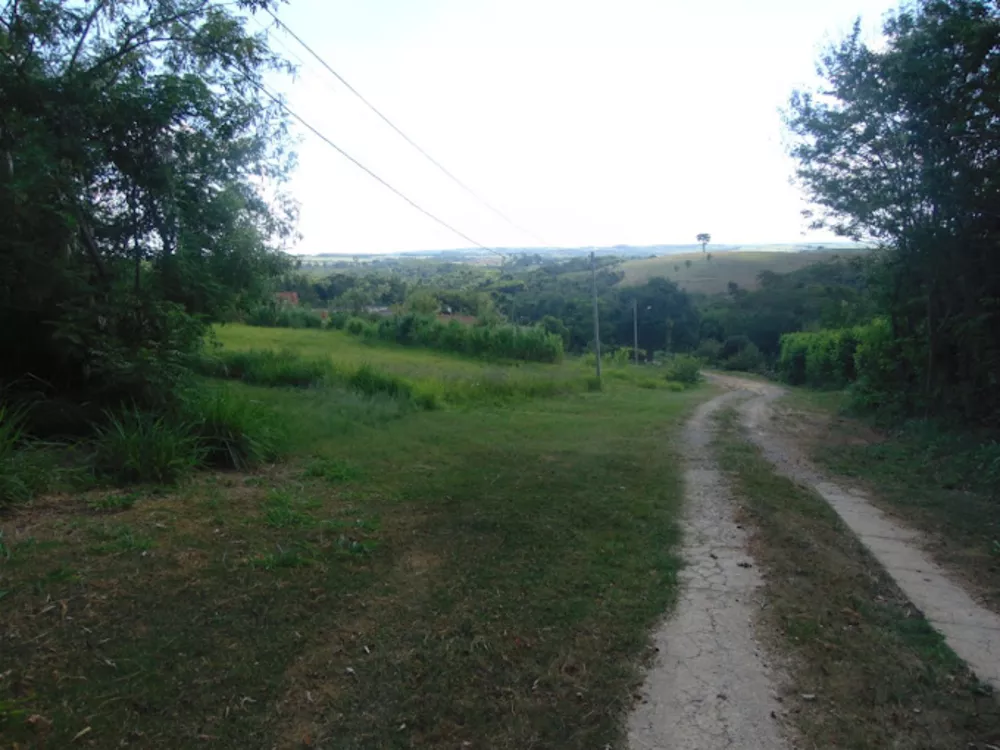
[(713, 276)]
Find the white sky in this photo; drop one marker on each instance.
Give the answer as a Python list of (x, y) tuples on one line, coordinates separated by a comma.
[(588, 122)]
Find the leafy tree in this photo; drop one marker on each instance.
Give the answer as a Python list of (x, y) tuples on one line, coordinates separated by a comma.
[(133, 144), (899, 145), (703, 239)]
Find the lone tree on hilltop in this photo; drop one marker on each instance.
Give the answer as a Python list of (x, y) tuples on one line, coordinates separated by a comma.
[(703, 239)]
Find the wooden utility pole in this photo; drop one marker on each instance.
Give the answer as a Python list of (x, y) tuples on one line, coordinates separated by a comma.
[(635, 330), (597, 322)]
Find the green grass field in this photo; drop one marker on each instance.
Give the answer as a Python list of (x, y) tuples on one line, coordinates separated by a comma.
[(712, 277), (479, 576)]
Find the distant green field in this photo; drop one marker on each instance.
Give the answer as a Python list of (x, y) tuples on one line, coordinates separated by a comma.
[(713, 276)]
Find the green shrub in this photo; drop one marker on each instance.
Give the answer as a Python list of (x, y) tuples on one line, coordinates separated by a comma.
[(709, 350), (820, 359), (372, 382), (531, 344), (283, 316), (134, 446), (746, 359), (270, 368), (231, 430), (684, 369), (338, 320), (881, 384)]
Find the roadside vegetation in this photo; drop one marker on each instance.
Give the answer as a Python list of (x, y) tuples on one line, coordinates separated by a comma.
[(484, 575), (866, 669), (942, 481)]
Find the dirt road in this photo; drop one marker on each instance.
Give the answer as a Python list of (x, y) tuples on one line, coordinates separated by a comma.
[(711, 686), (971, 631)]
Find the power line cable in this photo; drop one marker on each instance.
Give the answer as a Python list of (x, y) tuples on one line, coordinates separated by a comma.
[(403, 135), (315, 131)]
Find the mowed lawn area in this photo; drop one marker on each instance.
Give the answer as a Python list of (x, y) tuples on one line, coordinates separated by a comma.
[(479, 576)]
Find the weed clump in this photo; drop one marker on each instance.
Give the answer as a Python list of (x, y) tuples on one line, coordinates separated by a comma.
[(232, 431), (133, 446), (21, 475)]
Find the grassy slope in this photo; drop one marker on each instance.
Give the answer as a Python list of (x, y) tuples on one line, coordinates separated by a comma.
[(878, 675), (408, 579), (710, 277)]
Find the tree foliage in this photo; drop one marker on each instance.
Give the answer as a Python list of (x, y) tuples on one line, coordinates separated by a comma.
[(901, 145), (134, 142)]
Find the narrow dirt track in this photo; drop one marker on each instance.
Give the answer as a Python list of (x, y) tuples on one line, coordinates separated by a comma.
[(710, 687), (970, 630)]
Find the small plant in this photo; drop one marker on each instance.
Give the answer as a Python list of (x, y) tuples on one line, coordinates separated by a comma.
[(281, 511), (120, 538), (282, 558), (10, 710), (114, 502), (137, 447), (333, 470)]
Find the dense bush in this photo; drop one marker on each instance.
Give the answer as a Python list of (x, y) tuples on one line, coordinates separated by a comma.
[(338, 320), (820, 359), (740, 353), (283, 316), (683, 368), (531, 344), (133, 216), (709, 350), (884, 383)]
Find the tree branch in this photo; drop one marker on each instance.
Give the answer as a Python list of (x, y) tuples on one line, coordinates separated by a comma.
[(132, 42), (98, 7)]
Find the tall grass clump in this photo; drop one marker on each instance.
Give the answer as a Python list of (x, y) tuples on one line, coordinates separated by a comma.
[(371, 382), (20, 476), (270, 368), (231, 430), (530, 344), (134, 446)]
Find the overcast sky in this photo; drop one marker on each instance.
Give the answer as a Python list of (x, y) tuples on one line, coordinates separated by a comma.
[(588, 122)]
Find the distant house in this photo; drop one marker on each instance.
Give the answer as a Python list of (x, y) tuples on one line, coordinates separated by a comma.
[(287, 298)]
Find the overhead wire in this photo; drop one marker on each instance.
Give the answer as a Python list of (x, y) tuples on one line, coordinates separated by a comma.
[(315, 131), (319, 134), (281, 24)]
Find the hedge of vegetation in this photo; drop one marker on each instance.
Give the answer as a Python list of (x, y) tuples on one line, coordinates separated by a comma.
[(821, 359), (283, 316), (528, 343)]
